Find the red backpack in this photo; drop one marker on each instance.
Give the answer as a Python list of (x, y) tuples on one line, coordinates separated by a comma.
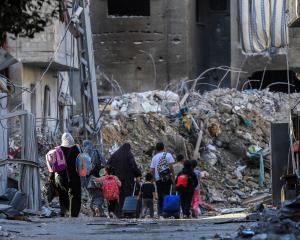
[(182, 181), (110, 188)]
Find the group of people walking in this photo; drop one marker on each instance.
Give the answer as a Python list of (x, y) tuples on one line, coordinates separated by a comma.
[(119, 177)]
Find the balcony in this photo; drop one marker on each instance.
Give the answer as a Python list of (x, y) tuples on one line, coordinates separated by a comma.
[(39, 50)]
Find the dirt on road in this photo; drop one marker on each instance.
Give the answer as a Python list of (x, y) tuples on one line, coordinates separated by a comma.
[(84, 228)]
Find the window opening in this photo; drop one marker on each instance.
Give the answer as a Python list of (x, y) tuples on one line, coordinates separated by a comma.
[(32, 100), (128, 7), (47, 110), (218, 5)]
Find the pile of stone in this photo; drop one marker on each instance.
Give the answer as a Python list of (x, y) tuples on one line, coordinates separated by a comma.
[(273, 223), (233, 123)]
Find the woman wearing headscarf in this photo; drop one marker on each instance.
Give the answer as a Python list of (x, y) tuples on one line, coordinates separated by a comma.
[(68, 181), (126, 170), (95, 193)]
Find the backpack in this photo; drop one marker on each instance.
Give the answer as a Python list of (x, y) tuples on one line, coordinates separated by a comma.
[(55, 160), (182, 182), (163, 169), (83, 164), (110, 188)]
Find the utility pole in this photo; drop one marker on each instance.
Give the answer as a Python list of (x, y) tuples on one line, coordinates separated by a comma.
[(89, 93)]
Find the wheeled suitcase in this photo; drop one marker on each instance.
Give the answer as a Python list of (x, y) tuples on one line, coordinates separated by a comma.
[(171, 206), (130, 205)]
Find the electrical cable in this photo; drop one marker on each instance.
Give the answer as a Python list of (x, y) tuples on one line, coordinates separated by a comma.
[(49, 64), (53, 57)]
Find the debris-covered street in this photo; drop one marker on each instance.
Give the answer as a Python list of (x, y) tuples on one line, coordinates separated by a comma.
[(143, 119), (89, 228)]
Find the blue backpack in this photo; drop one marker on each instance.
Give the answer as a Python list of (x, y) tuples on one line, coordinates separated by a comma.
[(83, 164)]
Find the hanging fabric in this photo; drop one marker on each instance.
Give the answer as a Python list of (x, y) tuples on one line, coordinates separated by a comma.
[(262, 25)]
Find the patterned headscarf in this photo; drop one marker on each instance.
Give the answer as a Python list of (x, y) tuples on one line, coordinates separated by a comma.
[(67, 140)]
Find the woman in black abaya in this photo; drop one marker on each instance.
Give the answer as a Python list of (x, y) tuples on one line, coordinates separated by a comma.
[(126, 170)]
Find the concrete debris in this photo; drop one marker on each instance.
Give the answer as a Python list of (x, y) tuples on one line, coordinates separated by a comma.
[(230, 210), (273, 225), (147, 102), (13, 203), (233, 121)]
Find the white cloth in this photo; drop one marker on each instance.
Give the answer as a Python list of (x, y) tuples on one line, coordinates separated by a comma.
[(67, 140), (156, 159), (262, 25)]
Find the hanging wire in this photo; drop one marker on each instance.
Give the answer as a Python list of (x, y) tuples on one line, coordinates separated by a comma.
[(263, 77)]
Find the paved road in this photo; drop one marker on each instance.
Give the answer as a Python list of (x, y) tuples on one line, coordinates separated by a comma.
[(85, 228)]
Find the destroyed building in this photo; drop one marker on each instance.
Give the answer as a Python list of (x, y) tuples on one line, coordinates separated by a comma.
[(147, 44), (46, 94)]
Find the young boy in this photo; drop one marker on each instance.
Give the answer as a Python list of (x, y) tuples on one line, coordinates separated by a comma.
[(110, 186), (147, 194)]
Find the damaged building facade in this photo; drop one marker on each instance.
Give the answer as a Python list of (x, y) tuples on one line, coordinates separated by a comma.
[(265, 44), (145, 44), (46, 94)]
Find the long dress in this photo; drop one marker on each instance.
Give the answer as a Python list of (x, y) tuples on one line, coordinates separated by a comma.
[(126, 170)]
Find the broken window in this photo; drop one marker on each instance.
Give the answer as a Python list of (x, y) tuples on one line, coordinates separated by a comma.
[(128, 7), (218, 5), (47, 110), (275, 80)]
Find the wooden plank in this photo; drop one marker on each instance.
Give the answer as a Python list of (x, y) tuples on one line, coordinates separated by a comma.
[(199, 140), (257, 199)]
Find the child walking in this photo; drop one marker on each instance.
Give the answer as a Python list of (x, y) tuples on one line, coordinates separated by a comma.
[(186, 182), (148, 195), (196, 197), (110, 186)]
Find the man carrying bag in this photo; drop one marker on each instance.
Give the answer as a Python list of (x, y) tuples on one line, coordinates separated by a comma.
[(162, 168)]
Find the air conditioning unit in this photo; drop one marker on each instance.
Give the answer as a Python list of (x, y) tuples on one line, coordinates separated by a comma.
[(293, 13)]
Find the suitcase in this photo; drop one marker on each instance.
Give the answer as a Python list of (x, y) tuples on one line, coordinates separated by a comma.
[(130, 205), (171, 206)]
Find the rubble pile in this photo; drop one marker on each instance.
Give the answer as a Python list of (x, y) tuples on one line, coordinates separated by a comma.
[(273, 223), (234, 143), (236, 132)]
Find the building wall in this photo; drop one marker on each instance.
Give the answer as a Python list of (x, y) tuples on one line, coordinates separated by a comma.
[(30, 76), (34, 56), (125, 47), (39, 50), (181, 45)]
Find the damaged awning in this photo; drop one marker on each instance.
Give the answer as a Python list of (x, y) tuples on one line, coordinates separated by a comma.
[(263, 26)]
